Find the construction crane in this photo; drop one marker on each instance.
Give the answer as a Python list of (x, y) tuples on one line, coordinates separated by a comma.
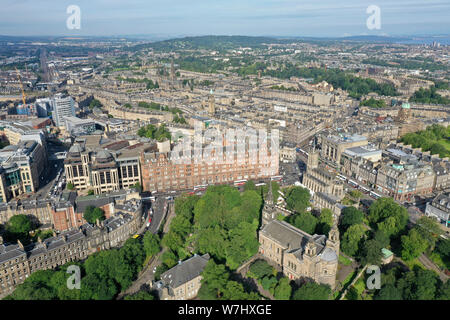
[(21, 86)]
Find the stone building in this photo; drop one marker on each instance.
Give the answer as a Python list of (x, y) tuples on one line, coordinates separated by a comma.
[(333, 146), (17, 262), (183, 281), (300, 254)]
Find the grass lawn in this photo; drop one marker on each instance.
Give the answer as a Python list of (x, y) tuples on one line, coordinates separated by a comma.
[(345, 261), (445, 143)]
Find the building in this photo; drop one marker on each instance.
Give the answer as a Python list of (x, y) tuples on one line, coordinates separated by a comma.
[(300, 254), (404, 180), (17, 262), (333, 146), (21, 166), (77, 126), (103, 170), (439, 209), (165, 171), (183, 281), (63, 106)]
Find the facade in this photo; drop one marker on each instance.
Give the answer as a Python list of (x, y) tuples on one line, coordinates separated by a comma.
[(333, 146), (404, 180), (20, 169), (165, 171), (18, 262), (183, 281), (300, 254), (62, 107), (439, 209), (101, 170)]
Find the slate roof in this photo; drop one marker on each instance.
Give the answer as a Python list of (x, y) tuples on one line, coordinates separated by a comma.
[(185, 271)]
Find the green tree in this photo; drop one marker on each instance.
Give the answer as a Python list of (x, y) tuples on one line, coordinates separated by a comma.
[(349, 217), (413, 245), (70, 186), (387, 215), (352, 238), (304, 221), (283, 289), (215, 276), (259, 269), (141, 295), (312, 291), (388, 292), (92, 214), (371, 252), (325, 222), (151, 244), (297, 198), (18, 227)]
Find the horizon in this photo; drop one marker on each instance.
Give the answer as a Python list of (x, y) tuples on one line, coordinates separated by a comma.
[(269, 18)]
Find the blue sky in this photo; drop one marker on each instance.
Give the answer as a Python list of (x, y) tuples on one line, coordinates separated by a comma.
[(226, 17)]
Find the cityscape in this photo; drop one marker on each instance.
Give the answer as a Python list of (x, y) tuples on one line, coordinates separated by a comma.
[(224, 167)]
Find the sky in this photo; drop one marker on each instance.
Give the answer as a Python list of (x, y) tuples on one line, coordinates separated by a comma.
[(317, 18)]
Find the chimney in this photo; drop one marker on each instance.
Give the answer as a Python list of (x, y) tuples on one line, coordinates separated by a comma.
[(54, 233), (39, 240), (1, 240), (20, 244), (179, 261), (98, 223)]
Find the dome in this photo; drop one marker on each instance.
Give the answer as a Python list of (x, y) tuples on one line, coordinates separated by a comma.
[(104, 155), (76, 148), (329, 255)]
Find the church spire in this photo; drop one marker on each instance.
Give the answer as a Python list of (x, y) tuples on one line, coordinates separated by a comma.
[(269, 198)]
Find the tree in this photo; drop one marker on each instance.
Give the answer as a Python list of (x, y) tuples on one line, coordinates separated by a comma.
[(259, 269), (352, 238), (151, 244), (312, 291), (413, 245), (92, 214), (70, 186), (95, 288), (305, 221), (381, 237), (19, 225), (91, 192), (283, 289), (349, 217), (325, 221), (141, 295), (371, 252), (385, 214), (388, 292), (297, 198), (249, 185), (215, 277)]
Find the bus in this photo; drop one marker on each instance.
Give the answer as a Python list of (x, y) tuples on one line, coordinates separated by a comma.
[(353, 183), (374, 195), (240, 182), (340, 176), (364, 189), (276, 178), (260, 184), (200, 188)]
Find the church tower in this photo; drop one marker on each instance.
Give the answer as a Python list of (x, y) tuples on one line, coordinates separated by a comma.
[(333, 239), (313, 160), (268, 211)]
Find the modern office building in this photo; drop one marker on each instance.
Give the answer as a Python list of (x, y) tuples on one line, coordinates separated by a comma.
[(63, 106)]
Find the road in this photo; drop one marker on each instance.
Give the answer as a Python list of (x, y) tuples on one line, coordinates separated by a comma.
[(146, 275)]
